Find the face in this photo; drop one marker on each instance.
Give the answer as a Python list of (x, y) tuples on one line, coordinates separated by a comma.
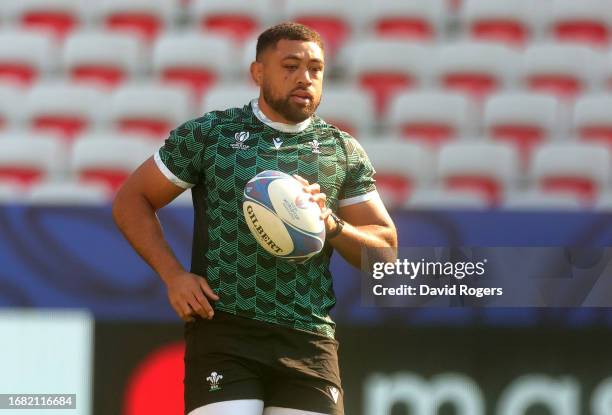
[(291, 79)]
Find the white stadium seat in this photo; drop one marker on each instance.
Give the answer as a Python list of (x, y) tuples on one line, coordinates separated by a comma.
[(535, 199), (64, 109), (400, 167), (10, 192), (26, 160), (348, 108), (484, 168), (476, 68), (432, 117), (225, 96), (149, 109), (408, 19), (11, 106), (427, 199), (145, 19), (108, 161), (584, 21), (563, 70), (580, 169), (386, 67), (237, 19), (509, 22), (102, 58), (604, 202), (25, 57), (68, 193), (55, 17), (194, 60), (524, 119), (592, 118)]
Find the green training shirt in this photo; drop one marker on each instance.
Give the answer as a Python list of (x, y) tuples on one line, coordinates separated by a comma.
[(216, 155)]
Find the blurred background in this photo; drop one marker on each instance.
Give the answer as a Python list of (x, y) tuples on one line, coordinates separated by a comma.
[(489, 123)]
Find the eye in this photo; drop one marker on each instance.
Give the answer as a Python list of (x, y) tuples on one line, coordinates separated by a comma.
[(291, 67)]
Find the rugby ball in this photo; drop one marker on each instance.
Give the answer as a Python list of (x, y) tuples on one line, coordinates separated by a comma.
[(281, 216)]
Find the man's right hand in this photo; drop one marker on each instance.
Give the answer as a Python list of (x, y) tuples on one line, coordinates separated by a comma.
[(189, 294)]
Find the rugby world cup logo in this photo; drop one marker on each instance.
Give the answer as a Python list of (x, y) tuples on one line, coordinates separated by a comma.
[(214, 380), (240, 138)]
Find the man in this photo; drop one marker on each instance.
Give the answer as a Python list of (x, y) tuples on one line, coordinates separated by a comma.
[(259, 338)]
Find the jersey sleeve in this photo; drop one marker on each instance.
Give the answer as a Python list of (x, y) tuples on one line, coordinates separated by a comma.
[(180, 158), (359, 185)]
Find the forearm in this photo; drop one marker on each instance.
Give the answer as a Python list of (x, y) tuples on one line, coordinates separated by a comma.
[(354, 239), (138, 222)]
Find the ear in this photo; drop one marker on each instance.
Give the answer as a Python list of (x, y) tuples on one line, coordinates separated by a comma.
[(256, 70)]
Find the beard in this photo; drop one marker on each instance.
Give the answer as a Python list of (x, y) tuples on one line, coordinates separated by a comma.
[(289, 110)]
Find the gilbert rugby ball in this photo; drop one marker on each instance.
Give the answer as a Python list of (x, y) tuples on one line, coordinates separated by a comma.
[(281, 217)]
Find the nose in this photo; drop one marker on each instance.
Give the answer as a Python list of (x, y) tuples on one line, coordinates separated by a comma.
[(304, 77)]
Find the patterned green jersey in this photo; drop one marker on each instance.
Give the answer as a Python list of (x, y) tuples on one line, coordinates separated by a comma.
[(216, 155)]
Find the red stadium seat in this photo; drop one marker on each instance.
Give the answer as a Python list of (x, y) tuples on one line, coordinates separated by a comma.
[(195, 61), (55, 17), (484, 168), (592, 119), (408, 19), (25, 57), (524, 120), (348, 108), (401, 168), (102, 58), (561, 70), (236, 19), (142, 18), (586, 21), (510, 23), (432, 118), (108, 162), (386, 67), (579, 169), (28, 159), (63, 109), (148, 109), (476, 69)]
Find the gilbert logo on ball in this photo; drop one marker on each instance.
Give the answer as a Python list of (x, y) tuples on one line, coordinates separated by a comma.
[(281, 216)]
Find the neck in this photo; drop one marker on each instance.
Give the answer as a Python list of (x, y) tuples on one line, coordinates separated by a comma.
[(270, 113), (278, 125)]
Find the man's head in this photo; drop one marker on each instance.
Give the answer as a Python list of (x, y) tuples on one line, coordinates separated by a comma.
[(288, 68)]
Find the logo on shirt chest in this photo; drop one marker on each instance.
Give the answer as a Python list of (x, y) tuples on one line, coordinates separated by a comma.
[(314, 146), (240, 138)]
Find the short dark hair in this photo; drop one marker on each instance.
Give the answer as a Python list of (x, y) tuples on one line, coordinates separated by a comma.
[(289, 31)]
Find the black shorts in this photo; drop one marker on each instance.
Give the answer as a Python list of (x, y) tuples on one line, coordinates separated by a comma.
[(232, 357)]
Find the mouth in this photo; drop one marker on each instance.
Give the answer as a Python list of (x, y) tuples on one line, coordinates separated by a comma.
[(302, 97)]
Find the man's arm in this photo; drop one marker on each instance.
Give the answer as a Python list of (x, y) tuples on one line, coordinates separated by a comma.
[(134, 210), (367, 225)]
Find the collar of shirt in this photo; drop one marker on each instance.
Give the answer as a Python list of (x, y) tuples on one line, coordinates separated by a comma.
[(285, 128)]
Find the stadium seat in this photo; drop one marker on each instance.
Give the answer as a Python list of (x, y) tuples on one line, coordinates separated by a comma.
[(604, 202), (149, 109), (580, 169), (476, 68), (592, 119), (408, 19), (427, 199), (563, 70), (142, 18), (237, 19), (25, 57), (64, 109), (386, 67), (194, 60), (507, 22), (535, 199), (223, 96), (55, 17), (102, 58), (68, 193), (25, 160), (108, 162), (400, 167), (11, 106), (585, 21), (348, 108), (523, 119), (432, 117), (484, 168), (334, 20), (608, 71), (10, 192)]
